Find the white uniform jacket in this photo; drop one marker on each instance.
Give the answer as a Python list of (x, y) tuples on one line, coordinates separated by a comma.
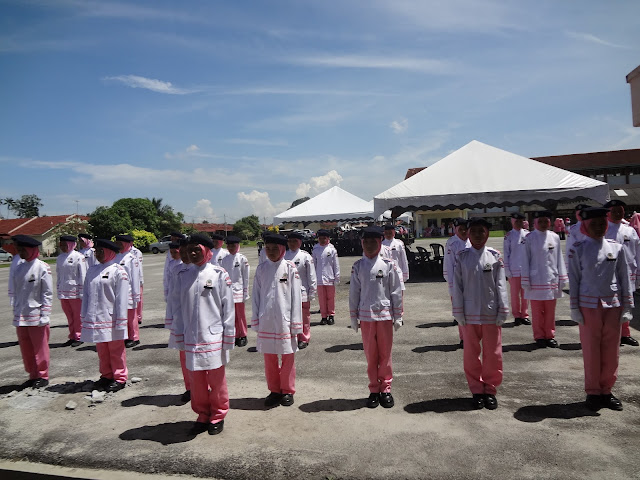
[(375, 291), (573, 235), (17, 259), (167, 275), (626, 236), (513, 252), (451, 249), (599, 275), (138, 255), (71, 268), (130, 263), (327, 265), (399, 255), (217, 254), (33, 294), (480, 288), (205, 307), (237, 266), (104, 303), (544, 273), (171, 277), (176, 336), (89, 256), (306, 270), (277, 307)]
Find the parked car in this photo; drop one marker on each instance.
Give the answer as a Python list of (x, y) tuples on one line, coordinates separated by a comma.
[(5, 256), (161, 246)]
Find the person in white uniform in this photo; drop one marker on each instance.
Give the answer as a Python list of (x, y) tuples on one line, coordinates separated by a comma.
[(218, 252), (397, 250), (513, 250), (71, 268), (85, 247), (129, 261), (455, 244), (237, 266)]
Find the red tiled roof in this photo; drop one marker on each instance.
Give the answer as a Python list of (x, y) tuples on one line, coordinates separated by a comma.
[(209, 227), (412, 171), (7, 226), (581, 161), (35, 225)]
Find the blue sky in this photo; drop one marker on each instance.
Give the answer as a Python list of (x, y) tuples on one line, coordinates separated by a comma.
[(225, 108)]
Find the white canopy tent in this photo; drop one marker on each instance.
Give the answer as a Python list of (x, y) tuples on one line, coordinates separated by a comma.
[(333, 205), (479, 175)]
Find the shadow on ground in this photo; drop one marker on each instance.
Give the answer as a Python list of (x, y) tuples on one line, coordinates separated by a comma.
[(156, 400), (440, 405), (152, 346), (8, 344), (334, 405), (436, 348), (165, 433), (341, 348), (566, 411)]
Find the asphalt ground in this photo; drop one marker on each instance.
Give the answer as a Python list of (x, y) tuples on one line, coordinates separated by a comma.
[(541, 428)]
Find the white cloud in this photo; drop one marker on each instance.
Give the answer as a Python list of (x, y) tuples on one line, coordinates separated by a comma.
[(319, 184), (204, 211), (259, 203), (400, 126), (192, 148), (258, 142), (135, 81), (593, 39), (424, 65)]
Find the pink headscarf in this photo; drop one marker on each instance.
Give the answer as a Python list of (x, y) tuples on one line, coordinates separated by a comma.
[(206, 255), (126, 246), (70, 245), (513, 223), (634, 222), (379, 241), (32, 253), (108, 255), (88, 243), (583, 227)]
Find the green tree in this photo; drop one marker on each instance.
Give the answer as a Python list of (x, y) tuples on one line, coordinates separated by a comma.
[(298, 202), (247, 227), (25, 207), (169, 221), (106, 222), (141, 213), (142, 239)]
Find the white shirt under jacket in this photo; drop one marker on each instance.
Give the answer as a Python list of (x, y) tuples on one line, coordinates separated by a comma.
[(277, 307), (451, 249), (513, 252), (306, 270), (71, 268), (33, 294), (399, 255), (325, 259), (130, 263), (140, 259), (237, 266), (599, 275), (573, 235), (480, 287), (12, 270), (104, 303), (375, 291), (626, 236), (176, 325), (217, 254), (170, 279), (544, 273), (205, 308)]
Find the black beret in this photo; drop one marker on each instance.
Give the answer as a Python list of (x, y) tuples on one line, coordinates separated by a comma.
[(614, 203), (273, 238), (323, 233), (389, 227), (542, 213), (372, 232), (85, 235), (518, 216), (217, 236), (459, 221), (124, 238), (297, 235), (593, 212), (176, 234), (478, 221), (201, 239), (232, 239), (581, 206), (104, 243), (174, 245), (184, 241), (25, 241), (68, 238)]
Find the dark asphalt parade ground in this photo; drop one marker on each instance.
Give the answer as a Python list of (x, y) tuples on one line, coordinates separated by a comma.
[(540, 430)]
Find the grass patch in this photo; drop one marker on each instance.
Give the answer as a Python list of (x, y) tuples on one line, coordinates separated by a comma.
[(497, 233)]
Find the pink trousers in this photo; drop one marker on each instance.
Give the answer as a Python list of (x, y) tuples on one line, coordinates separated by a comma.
[(71, 308), (186, 374), (139, 307), (34, 346), (209, 395), (519, 304), (241, 320), (377, 339), (543, 319), (132, 324), (600, 339), (112, 360), (305, 336), (626, 331), (327, 300), (483, 375), (281, 378)]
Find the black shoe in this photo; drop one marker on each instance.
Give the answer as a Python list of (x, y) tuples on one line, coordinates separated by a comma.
[(525, 321), (27, 384), (241, 342), (102, 384), (68, 343), (186, 396), (40, 382), (609, 401), (629, 341), (477, 402), (131, 343), (302, 345), (198, 427), (551, 343), (323, 321), (115, 387), (386, 400), (490, 402), (541, 343), (272, 399), (286, 400), (374, 400), (331, 320), (215, 428), (76, 343), (593, 402)]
